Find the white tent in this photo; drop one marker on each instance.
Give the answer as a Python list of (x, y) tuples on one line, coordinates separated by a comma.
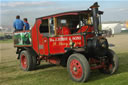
[(1, 28), (123, 29), (114, 27)]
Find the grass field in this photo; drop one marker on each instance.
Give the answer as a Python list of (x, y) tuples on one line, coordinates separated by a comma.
[(47, 74), (6, 41)]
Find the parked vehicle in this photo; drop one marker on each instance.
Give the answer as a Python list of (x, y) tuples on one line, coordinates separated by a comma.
[(73, 39)]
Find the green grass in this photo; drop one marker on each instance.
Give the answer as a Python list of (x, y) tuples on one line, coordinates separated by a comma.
[(6, 41), (48, 74)]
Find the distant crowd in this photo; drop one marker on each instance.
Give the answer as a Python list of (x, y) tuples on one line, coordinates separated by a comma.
[(20, 25)]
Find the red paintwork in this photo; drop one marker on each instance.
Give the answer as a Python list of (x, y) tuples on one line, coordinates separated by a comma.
[(36, 37), (54, 60), (83, 29), (64, 31), (45, 43), (76, 69), (57, 44), (23, 61), (86, 29)]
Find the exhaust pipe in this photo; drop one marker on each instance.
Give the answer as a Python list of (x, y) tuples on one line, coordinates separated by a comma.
[(94, 9)]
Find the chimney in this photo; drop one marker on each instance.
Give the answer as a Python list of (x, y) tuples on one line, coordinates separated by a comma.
[(94, 9)]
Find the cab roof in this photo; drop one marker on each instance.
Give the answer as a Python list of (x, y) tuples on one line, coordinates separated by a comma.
[(69, 13)]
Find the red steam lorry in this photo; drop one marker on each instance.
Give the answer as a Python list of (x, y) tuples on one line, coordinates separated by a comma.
[(72, 39)]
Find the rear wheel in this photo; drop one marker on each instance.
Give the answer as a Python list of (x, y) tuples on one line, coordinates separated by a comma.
[(27, 60), (78, 67), (111, 64)]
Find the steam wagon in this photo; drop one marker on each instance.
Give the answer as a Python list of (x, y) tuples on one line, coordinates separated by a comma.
[(72, 39)]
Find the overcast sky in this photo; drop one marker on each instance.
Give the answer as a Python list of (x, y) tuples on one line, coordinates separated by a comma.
[(114, 10)]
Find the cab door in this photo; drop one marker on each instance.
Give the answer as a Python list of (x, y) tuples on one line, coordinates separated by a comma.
[(40, 35), (43, 34), (47, 29)]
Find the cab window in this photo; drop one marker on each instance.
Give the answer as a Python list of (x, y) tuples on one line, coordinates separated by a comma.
[(44, 27)]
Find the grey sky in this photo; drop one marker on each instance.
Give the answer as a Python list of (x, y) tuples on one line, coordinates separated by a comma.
[(115, 10)]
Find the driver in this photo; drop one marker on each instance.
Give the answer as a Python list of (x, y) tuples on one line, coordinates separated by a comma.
[(63, 29)]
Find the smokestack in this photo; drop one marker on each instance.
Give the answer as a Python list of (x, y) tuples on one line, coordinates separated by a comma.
[(94, 9)]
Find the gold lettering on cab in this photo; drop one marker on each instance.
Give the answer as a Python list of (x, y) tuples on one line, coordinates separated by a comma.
[(64, 38)]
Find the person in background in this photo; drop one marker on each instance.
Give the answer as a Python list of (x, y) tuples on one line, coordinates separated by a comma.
[(18, 24), (26, 24)]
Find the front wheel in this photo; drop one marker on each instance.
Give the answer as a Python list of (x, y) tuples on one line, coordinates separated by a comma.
[(78, 67), (111, 64)]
